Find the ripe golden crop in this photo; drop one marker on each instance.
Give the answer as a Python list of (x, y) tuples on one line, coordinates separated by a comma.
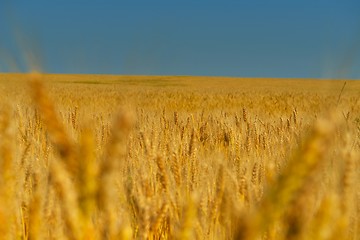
[(124, 157)]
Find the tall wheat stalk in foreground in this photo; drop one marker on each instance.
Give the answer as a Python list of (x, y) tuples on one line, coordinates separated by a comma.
[(75, 169), (289, 183)]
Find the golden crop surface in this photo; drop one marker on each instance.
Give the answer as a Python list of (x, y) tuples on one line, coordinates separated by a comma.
[(125, 157)]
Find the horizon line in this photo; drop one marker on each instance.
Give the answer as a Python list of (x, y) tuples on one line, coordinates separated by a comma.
[(180, 75)]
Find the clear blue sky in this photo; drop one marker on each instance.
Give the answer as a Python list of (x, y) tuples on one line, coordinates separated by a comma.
[(276, 38)]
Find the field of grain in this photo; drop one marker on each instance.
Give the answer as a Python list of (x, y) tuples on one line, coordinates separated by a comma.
[(125, 157)]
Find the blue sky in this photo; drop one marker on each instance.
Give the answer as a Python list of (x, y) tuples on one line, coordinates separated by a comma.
[(259, 38)]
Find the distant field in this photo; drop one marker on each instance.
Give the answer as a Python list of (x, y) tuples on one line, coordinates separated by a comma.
[(223, 83), (152, 157)]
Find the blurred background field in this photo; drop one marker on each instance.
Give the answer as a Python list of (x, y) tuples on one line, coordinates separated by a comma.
[(147, 157)]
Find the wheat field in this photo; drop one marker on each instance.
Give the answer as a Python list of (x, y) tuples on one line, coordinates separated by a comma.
[(146, 157)]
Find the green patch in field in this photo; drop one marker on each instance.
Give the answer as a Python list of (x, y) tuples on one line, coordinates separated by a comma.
[(155, 82), (89, 82), (147, 82)]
